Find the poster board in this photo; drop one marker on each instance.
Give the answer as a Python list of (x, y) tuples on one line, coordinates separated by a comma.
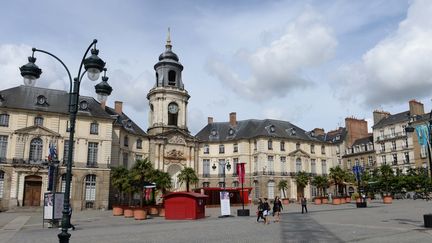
[(225, 203), (53, 205)]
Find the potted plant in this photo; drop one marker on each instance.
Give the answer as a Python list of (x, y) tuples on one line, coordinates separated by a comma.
[(302, 179), (140, 172), (130, 189), (187, 175), (385, 180), (282, 186), (321, 183), (337, 176), (119, 182)]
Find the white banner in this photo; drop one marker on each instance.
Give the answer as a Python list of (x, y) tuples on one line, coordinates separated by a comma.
[(225, 203), (53, 205)]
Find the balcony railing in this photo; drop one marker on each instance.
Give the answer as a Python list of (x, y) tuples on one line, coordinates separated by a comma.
[(92, 165), (391, 136), (206, 175), (284, 173)]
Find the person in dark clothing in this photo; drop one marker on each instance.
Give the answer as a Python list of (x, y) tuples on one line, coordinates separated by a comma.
[(304, 204), (70, 216), (266, 211), (277, 207), (260, 210)]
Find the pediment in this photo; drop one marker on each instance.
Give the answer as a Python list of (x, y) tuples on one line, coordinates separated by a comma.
[(177, 136), (37, 131), (299, 153)]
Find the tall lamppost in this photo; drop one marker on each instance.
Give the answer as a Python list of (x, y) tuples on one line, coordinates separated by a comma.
[(93, 66), (223, 163), (410, 129)]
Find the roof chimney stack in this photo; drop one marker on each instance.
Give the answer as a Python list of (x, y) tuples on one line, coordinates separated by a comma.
[(416, 108), (209, 120), (118, 107), (233, 119)]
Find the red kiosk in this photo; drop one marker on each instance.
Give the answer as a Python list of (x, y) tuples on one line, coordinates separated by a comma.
[(184, 205)]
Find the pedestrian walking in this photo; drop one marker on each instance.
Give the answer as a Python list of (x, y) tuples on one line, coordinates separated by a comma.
[(277, 207), (304, 204), (266, 212), (260, 210), (70, 217)]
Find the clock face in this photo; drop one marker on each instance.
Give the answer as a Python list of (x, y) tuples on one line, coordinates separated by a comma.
[(173, 108)]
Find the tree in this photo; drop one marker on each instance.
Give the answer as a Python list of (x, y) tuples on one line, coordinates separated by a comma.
[(119, 180), (187, 175), (302, 179), (140, 172), (386, 176), (282, 186), (321, 183)]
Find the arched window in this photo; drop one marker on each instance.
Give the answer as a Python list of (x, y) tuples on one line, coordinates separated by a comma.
[(1, 183), (36, 147), (270, 189), (171, 77), (298, 165), (90, 191), (38, 121), (63, 185)]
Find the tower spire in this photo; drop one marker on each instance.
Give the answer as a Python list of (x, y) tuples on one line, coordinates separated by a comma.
[(168, 43)]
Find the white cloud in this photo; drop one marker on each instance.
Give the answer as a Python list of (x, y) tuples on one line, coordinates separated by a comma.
[(278, 68), (398, 68)]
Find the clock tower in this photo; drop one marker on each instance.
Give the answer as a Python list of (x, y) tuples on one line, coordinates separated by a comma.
[(168, 99)]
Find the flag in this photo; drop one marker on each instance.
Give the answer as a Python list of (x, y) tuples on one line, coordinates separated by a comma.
[(52, 153), (241, 172), (422, 134)]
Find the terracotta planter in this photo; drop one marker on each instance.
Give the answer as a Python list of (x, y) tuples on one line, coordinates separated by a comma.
[(358, 200), (387, 199), (128, 212), (285, 201), (336, 201), (117, 211), (348, 199), (153, 210), (324, 200), (342, 200), (317, 201), (140, 213), (162, 212)]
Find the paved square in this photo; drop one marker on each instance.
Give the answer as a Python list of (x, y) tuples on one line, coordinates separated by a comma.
[(401, 221)]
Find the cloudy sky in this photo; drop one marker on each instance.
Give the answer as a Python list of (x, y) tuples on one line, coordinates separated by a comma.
[(312, 63)]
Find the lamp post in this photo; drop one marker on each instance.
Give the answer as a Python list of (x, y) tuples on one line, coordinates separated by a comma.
[(410, 129), (223, 163), (93, 66)]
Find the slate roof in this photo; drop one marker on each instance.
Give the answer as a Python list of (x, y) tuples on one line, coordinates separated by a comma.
[(57, 101), (223, 131), (363, 141), (332, 136), (393, 119), (124, 121)]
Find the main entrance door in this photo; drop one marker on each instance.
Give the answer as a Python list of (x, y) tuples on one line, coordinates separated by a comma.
[(32, 191)]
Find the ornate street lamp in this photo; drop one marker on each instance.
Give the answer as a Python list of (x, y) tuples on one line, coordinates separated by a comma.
[(93, 66), (224, 163)]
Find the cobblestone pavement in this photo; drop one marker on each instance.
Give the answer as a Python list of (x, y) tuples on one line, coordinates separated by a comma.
[(401, 221)]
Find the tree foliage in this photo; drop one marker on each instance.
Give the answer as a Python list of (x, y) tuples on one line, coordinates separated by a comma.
[(188, 176)]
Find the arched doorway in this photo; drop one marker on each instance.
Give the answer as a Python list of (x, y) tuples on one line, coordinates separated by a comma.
[(174, 171), (32, 190)]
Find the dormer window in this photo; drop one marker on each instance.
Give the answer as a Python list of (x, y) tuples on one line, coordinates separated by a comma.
[(312, 134), (337, 137), (41, 100), (213, 132), (231, 132), (83, 105), (129, 124), (272, 128), (291, 131), (38, 121)]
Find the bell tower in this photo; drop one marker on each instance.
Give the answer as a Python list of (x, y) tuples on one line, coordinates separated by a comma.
[(168, 99)]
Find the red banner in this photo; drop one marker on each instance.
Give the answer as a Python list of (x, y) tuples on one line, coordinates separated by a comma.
[(241, 172)]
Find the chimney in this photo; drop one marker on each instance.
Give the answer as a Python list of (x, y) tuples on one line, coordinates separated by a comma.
[(233, 119), (318, 131), (118, 107), (379, 115), (416, 108), (209, 120), (356, 129)]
